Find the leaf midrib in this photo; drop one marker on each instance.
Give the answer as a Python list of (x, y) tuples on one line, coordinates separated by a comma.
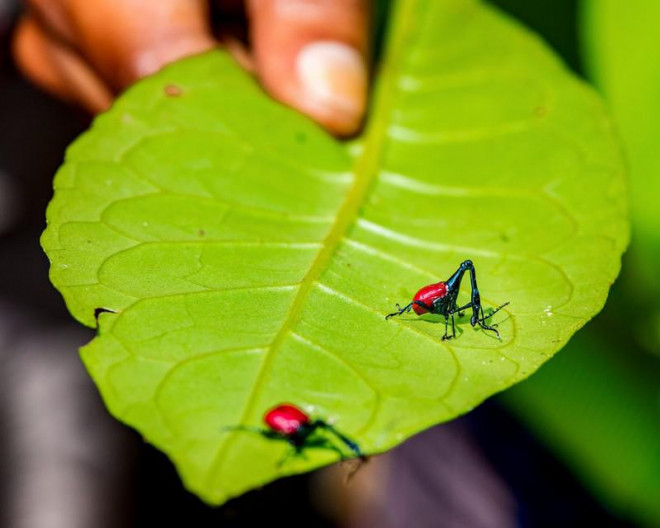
[(365, 170)]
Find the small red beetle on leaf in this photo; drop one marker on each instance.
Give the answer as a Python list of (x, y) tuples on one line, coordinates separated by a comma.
[(291, 424), (440, 298)]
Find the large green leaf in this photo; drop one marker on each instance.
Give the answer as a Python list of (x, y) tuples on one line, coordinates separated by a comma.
[(250, 258)]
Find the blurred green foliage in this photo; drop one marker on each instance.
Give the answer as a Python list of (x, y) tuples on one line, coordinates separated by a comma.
[(596, 403), (622, 50)]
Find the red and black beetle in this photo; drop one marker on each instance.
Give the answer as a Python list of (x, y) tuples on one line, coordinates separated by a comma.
[(440, 298), (291, 424)]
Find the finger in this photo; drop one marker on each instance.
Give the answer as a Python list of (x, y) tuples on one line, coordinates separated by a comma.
[(58, 69), (310, 54), (125, 40)]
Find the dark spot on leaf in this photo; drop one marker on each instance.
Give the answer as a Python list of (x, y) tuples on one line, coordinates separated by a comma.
[(301, 137), (172, 90), (201, 232)]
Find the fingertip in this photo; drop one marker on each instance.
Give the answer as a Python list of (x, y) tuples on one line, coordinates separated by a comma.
[(332, 77), (311, 55)]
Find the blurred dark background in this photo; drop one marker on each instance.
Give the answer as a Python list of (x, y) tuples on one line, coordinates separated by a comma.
[(548, 453)]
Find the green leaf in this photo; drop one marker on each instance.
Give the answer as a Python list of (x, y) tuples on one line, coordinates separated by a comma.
[(250, 258), (622, 46)]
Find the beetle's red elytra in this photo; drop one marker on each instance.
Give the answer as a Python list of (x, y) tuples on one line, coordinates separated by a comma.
[(427, 295), (286, 419)]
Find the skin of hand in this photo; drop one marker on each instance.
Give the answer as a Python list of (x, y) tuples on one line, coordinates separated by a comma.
[(308, 54)]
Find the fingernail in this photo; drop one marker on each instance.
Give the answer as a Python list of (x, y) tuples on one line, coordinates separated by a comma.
[(333, 77)]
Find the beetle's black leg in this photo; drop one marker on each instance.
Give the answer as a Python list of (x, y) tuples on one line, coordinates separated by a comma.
[(460, 311), (333, 447), (482, 324), (453, 326), (488, 327), (400, 310), (481, 321), (446, 336), (357, 462), (290, 453), (347, 441), (325, 443), (407, 308)]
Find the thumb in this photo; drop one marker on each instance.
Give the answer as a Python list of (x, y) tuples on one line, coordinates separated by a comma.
[(310, 54)]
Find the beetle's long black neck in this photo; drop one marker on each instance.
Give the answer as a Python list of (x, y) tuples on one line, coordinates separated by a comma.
[(454, 282)]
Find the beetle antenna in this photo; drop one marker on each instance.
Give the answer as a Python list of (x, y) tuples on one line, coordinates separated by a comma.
[(266, 433), (228, 428), (483, 319), (356, 465), (357, 462)]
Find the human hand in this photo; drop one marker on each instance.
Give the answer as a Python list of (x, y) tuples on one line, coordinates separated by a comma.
[(309, 54)]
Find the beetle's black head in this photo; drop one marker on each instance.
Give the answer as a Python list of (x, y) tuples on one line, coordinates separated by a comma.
[(466, 264)]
